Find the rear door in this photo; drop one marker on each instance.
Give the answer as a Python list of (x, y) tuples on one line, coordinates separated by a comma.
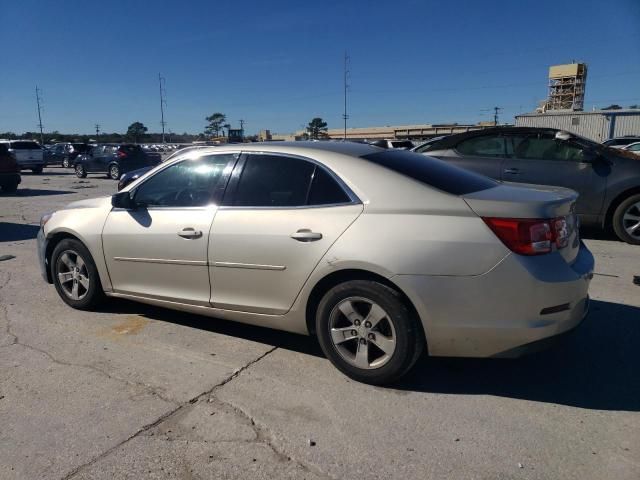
[(279, 217), (481, 154), (541, 159)]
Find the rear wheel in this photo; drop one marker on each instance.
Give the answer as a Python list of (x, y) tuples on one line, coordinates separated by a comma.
[(81, 172), (367, 332), (65, 162), (10, 187), (37, 170), (114, 172), (75, 275), (626, 220)]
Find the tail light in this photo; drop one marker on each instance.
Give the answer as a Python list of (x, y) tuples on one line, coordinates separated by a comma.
[(121, 154), (530, 236)]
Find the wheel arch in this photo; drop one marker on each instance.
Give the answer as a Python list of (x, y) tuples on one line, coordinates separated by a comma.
[(621, 197), (340, 276), (52, 242)]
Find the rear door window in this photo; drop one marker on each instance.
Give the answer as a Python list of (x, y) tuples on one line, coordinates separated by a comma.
[(547, 147), (432, 172), (484, 146)]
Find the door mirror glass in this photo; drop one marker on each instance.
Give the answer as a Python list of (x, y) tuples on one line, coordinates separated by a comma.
[(123, 200), (563, 136)]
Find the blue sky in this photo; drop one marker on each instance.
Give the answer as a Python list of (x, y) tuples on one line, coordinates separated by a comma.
[(277, 64)]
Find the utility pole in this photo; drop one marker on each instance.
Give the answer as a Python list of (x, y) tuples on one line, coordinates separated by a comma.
[(495, 115), (39, 115), (345, 116), (97, 133), (163, 102)]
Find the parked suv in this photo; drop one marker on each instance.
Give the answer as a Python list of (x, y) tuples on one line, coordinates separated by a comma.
[(607, 179), (114, 160), (28, 154), (65, 153), (9, 170)]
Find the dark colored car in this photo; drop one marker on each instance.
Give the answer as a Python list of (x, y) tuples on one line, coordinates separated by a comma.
[(114, 160), (618, 142), (607, 179), (129, 177), (9, 170), (64, 154)]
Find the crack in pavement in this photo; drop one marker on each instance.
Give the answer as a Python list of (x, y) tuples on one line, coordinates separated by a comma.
[(166, 416)]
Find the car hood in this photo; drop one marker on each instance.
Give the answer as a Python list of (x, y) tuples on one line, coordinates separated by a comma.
[(89, 203)]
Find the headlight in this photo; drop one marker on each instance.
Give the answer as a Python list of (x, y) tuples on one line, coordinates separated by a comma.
[(45, 218)]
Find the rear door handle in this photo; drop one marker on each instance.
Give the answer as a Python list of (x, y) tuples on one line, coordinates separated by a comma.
[(190, 233), (514, 171), (306, 235)]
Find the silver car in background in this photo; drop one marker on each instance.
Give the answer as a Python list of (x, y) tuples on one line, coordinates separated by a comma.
[(382, 254)]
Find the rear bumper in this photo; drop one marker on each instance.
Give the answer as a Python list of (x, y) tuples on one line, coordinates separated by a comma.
[(505, 311), (10, 178)]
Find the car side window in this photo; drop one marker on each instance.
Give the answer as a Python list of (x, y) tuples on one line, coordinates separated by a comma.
[(190, 183), (484, 146), (325, 190), (547, 147), (273, 181)]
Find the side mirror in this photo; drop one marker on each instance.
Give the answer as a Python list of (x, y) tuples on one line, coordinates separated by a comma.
[(123, 200), (563, 136)]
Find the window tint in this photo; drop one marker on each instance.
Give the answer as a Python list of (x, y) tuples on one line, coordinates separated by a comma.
[(402, 144), (325, 190), (635, 148), (546, 147), (190, 183), (486, 146), (273, 181), (433, 172), (22, 145)]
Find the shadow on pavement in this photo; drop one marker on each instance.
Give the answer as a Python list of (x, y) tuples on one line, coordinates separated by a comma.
[(12, 232), (592, 233), (34, 192), (596, 367)]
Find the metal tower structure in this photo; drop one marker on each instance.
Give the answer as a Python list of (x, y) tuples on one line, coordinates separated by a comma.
[(566, 87)]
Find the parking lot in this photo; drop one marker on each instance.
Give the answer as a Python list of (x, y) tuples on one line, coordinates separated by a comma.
[(133, 391)]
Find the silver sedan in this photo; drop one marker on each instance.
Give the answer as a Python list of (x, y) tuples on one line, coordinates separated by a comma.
[(381, 254)]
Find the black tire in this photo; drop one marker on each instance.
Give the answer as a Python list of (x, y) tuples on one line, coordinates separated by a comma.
[(409, 337), (10, 188), (89, 297), (114, 171), (630, 206), (65, 162), (81, 172), (37, 170)]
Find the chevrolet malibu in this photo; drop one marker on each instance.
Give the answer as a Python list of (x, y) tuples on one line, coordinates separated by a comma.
[(381, 254)]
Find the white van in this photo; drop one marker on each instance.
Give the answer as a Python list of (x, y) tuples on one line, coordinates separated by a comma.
[(28, 154)]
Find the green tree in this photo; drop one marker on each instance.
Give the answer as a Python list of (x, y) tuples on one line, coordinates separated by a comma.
[(216, 122), (317, 128), (136, 131)]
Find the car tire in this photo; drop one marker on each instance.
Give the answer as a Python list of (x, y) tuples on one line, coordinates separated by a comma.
[(37, 170), (65, 163), (75, 275), (377, 341), (10, 188), (626, 220), (114, 172), (81, 172)]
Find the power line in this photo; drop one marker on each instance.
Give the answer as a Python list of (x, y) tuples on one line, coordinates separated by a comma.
[(38, 91), (345, 116), (97, 132), (163, 102)]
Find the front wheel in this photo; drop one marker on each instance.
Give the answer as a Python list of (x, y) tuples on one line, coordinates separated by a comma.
[(367, 331), (626, 220), (10, 188), (65, 162), (75, 275), (114, 172), (81, 172)]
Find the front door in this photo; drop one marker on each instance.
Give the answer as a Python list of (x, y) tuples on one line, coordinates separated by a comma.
[(159, 249), (541, 159), (280, 216)]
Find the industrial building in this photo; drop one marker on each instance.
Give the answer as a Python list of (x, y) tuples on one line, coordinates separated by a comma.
[(598, 125)]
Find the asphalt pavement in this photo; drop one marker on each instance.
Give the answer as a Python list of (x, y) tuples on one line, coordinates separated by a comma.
[(133, 391)]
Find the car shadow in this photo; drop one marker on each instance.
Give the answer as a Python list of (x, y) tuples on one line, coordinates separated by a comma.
[(13, 232), (35, 192), (592, 233), (596, 367)]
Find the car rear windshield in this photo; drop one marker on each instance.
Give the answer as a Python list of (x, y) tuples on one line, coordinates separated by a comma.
[(433, 172), (25, 146), (80, 147)]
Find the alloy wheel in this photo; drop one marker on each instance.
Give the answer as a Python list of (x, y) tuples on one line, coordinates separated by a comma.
[(73, 275), (631, 220), (362, 333), (114, 172)]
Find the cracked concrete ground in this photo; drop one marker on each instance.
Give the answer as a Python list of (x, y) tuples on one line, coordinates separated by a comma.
[(132, 391)]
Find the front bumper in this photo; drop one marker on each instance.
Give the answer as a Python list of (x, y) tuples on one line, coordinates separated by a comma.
[(42, 260), (504, 310)]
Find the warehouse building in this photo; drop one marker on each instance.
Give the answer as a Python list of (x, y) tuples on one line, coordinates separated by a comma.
[(598, 125)]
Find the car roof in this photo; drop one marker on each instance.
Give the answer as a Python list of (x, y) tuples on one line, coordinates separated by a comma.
[(452, 140), (346, 148)]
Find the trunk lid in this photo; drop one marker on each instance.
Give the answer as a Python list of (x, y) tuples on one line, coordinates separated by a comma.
[(530, 202)]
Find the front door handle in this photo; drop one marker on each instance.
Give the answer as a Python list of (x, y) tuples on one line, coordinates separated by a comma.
[(306, 235), (514, 171), (190, 233)]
